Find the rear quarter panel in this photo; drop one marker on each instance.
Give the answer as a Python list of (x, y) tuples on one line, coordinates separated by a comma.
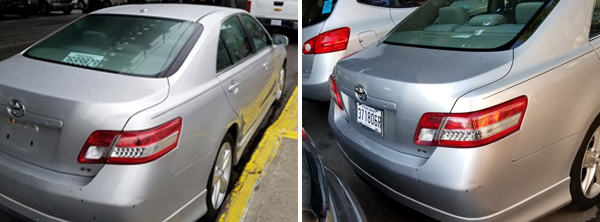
[(198, 98)]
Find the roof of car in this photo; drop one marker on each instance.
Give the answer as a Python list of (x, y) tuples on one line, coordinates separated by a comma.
[(174, 11)]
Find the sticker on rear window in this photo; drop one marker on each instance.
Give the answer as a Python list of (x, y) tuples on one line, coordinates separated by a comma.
[(327, 7), (82, 59)]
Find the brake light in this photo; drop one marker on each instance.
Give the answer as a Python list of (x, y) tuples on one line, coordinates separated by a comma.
[(131, 147), (330, 41), (248, 4), (305, 136), (333, 91), (472, 129)]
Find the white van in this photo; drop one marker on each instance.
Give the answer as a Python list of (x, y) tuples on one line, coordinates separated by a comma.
[(275, 13)]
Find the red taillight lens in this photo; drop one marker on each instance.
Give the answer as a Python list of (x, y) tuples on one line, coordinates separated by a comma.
[(333, 91), (248, 4), (330, 41), (471, 129), (131, 147), (305, 137)]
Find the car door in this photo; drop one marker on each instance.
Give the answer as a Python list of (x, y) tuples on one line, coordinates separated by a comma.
[(265, 52), (240, 72)]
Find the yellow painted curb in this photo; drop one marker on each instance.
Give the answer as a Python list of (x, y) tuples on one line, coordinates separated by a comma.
[(261, 158)]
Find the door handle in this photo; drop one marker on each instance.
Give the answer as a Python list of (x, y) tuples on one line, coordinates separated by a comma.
[(234, 85), (265, 65)]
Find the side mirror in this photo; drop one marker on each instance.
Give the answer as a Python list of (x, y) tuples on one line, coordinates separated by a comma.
[(280, 40)]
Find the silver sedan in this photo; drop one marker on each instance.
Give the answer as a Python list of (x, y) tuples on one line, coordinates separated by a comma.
[(135, 113), (487, 116)]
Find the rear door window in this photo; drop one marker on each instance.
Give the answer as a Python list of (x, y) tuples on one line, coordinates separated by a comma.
[(316, 11), (129, 45), (223, 59), (235, 39), (259, 36), (595, 25)]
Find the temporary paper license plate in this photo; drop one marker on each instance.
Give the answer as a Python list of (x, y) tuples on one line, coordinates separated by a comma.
[(370, 117), (82, 59), (276, 22)]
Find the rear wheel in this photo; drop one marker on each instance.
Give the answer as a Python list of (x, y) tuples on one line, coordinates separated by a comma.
[(585, 172), (280, 85), (220, 179)]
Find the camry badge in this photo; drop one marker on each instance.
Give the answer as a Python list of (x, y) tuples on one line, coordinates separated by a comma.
[(15, 108), (360, 93)]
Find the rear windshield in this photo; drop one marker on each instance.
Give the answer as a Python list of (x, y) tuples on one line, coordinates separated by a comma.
[(470, 24), (127, 45), (315, 11)]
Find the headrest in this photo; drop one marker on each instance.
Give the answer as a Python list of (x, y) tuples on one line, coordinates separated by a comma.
[(526, 10), (96, 39), (453, 15), (488, 20)]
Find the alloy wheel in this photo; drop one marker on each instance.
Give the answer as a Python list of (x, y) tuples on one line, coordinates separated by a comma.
[(221, 175), (590, 185), (281, 84)]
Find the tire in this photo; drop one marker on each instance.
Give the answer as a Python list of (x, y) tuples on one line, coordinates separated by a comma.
[(44, 8), (107, 4), (280, 85), (67, 11), (226, 149), (580, 170)]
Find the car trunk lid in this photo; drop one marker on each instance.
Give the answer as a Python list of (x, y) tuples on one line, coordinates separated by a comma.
[(63, 105), (406, 82)]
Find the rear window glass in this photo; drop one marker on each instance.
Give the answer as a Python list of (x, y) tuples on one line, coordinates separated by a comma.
[(471, 24), (127, 45), (315, 11)]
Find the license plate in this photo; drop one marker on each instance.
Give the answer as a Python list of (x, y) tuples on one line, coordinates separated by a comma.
[(276, 22), (370, 118)]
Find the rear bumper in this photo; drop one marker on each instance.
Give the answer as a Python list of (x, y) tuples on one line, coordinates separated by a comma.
[(315, 80), (478, 184), (117, 193), (286, 24), (62, 5)]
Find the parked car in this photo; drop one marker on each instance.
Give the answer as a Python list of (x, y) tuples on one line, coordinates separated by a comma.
[(20, 7), (47, 6), (333, 29), (325, 196), (88, 6), (135, 113), (275, 14), (477, 117)]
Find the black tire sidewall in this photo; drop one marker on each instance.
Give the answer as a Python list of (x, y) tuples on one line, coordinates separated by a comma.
[(579, 201), (212, 213)]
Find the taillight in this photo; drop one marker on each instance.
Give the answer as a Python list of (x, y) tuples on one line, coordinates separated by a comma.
[(305, 136), (131, 147), (248, 4), (330, 41), (333, 91), (472, 129)]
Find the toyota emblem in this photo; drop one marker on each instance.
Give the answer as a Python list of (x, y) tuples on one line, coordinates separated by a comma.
[(360, 93), (15, 108)]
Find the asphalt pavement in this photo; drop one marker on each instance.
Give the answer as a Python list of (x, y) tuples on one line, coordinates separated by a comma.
[(377, 206), (16, 34)]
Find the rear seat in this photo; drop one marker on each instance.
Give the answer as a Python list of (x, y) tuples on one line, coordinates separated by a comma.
[(497, 23), (449, 19)]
